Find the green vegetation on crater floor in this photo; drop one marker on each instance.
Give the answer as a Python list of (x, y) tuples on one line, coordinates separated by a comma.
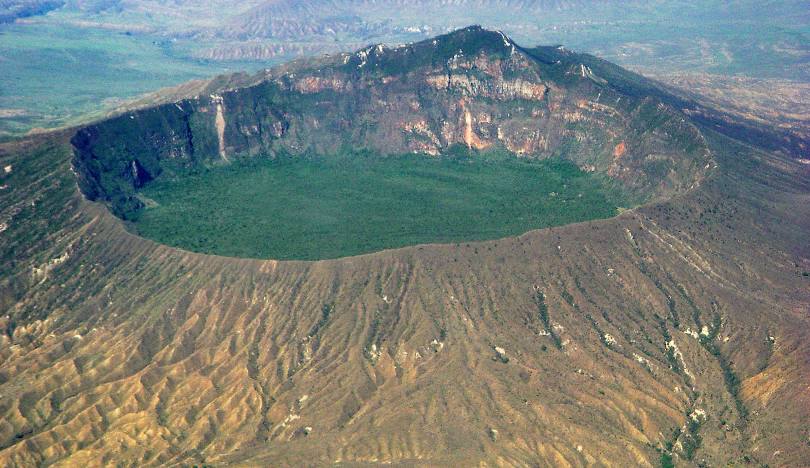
[(328, 207)]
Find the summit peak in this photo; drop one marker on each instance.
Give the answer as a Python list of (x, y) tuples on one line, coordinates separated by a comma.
[(469, 41)]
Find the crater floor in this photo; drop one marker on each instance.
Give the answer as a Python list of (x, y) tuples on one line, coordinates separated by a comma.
[(329, 207)]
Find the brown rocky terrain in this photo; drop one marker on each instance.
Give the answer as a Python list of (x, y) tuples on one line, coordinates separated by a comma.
[(677, 329)]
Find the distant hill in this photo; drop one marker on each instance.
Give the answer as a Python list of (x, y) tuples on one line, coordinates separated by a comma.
[(11, 10)]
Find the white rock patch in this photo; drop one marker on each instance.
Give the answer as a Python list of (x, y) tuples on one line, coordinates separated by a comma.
[(500, 354), (42, 271), (219, 122)]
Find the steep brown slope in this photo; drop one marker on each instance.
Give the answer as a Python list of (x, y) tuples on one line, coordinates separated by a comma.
[(120, 349)]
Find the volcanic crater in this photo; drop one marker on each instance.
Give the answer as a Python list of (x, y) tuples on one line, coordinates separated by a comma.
[(672, 333), (311, 160)]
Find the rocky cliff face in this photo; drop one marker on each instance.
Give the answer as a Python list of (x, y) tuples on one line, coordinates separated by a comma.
[(474, 88)]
